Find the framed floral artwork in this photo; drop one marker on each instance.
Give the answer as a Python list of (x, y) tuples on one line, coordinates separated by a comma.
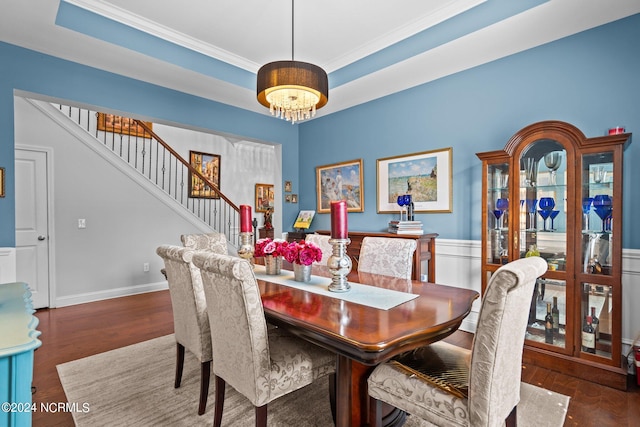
[(426, 176), (340, 181)]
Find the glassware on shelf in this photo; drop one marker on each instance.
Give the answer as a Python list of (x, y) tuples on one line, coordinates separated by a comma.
[(530, 171), (546, 205), (599, 174), (552, 161), (586, 207), (603, 207), (498, 214), (502, 179), (531, 210), (502, 205), (553, 216)]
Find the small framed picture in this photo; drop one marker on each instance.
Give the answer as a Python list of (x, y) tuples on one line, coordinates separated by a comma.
[(287, 186), (264, 197), (287, 198), (294, 198)]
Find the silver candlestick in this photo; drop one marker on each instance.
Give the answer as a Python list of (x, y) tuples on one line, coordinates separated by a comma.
[(339, 265), (246, 246)]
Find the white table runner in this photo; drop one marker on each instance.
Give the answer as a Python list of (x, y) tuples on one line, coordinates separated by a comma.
[(371, 296)]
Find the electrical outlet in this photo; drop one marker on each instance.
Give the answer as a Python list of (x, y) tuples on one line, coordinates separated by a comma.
[(145, 267), (82, 223)]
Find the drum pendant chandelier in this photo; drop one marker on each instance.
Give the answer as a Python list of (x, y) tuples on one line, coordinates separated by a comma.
[(292, 90)]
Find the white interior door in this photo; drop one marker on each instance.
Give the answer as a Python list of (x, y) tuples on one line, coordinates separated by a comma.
[(32, 233)]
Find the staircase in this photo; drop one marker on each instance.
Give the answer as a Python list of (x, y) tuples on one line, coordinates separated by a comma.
[(134, 142)]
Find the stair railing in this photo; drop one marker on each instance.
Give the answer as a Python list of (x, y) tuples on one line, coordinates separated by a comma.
[(136, 143)]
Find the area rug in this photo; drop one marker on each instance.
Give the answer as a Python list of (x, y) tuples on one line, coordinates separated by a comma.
[(133, 386)]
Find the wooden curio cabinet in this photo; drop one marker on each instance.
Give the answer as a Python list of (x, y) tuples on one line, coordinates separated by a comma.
[(553, 192)]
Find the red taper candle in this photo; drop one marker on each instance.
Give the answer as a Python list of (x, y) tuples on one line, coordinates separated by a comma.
[(245, 219), (339, 219)]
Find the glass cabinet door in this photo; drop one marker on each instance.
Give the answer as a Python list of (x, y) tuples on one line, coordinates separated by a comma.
[(543, 203), (597, 213), (597, 260), (597, 311), (542, 225), (498, 212)]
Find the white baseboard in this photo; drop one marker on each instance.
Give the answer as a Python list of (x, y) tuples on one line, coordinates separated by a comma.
[(7, 265), (110, 293)]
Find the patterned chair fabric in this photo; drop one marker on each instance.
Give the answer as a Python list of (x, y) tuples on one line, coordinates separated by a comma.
[(322, 241), (387, 256), (493, 365), (216, 242), (190, 318), (260, 364)]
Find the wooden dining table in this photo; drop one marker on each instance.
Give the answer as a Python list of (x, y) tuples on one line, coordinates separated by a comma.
[(363, 336)]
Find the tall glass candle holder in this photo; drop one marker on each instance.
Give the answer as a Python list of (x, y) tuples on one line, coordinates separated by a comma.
[(246, 246), (339, 265)]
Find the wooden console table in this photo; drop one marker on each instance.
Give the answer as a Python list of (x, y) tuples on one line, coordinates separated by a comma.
[(425, 250)]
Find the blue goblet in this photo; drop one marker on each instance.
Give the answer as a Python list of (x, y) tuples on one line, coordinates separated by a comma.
[(603, 206), (544, 214), (498, 214), (553, 216), (502, 205), (401, 204), (408, 203), (531, 209), (586, 207), (546, 205)]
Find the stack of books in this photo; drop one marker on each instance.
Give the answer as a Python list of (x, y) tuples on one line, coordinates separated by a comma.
[(405, 227)]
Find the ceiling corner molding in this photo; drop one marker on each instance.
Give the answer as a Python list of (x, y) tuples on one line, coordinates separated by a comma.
[(449, 10), (139, 23)]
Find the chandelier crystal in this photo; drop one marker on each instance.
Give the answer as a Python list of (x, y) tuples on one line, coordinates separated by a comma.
[(292, 90)]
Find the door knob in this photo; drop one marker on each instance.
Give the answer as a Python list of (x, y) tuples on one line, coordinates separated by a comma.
[(41, 237)]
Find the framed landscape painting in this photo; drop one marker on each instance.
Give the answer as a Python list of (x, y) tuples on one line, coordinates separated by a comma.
[(340, 181), (426, 176), (209, 166)]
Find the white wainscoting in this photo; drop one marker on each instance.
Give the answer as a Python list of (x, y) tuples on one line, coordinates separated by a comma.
[(7, 265), (458, 264)]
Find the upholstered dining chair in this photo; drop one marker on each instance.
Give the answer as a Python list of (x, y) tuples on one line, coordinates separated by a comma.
[(216, 242), (260, 364), (387, 256), (451, 386), (322, 241), (190, 319)]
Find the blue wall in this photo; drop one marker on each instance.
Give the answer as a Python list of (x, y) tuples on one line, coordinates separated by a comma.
[(45, 75), (589, 80)]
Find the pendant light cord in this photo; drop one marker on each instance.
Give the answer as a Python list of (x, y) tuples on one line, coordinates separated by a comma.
[(292, 29)]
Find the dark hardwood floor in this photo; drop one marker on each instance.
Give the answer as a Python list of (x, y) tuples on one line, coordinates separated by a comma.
[(70, 333)]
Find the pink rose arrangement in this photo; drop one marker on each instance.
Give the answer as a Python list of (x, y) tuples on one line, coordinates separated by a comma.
[(302, 253), (268, 246)]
